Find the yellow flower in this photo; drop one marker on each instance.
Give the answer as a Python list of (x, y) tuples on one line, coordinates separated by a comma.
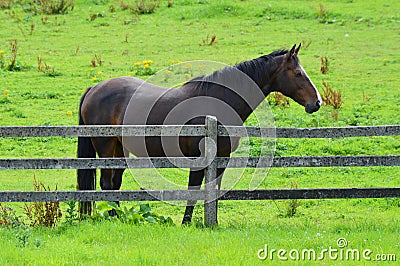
[(69, 113), (94, 78), (168, 72), (147, 62), (146, 66), (1, 52), (136, 64), (188, 76), (188, 66), (99, 73)]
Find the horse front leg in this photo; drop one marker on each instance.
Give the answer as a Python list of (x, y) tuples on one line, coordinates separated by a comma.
[(195, 180)]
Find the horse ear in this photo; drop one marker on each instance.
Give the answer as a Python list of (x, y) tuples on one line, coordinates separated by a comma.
[(290, 54), (296, 51)]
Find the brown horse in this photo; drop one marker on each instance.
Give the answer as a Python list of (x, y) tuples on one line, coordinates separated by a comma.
[(231, 94)]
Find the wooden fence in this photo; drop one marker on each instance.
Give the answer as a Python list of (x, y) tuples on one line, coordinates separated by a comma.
[(210, 193)]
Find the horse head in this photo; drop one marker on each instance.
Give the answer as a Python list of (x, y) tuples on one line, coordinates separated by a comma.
[(292, 80)]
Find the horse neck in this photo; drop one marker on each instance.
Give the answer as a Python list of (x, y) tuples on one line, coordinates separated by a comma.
[(261, 71), (243, 87)]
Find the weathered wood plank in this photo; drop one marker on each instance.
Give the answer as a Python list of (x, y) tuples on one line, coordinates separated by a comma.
[(200, 162), (109, 195), (309, 161), (323, 132), (196, 130), (311, 193), (172, 195), (210, 173), (102, 131), (104, 163)]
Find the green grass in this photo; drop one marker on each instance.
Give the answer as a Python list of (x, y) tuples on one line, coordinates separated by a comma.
[(360, 40), (122, 244)]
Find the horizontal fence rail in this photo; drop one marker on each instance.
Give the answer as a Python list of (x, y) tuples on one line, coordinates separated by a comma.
[(200, 162), (212, 131), (173, 195), (104, 163), (322, 132), (102, 131), (197, 130)]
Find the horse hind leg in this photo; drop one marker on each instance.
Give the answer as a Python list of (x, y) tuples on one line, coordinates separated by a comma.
[(110, 179), (117, 173)]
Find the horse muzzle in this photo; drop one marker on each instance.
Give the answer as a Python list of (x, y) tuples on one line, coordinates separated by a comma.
[(313, 107)]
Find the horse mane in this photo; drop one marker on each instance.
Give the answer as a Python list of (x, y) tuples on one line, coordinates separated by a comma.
[(251, 68), (265, 62)]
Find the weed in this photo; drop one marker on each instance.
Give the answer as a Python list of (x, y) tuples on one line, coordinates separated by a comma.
[(291, 205), (8, 217), (170, 3), (96, 76), (22, 32), (6, 4), (366, 98), (198, 222), (278, 99), (2, 59), (111, 8), (71, 215), (33, 26), (324, 64), (132, 215), (208, 41), (125, 6), (50, 7), (96, 61), (6, 97), (96, 15), (42, 213), (14, 51), (145, 6), (44, 96), (45, 20), (305, 44), (322, 13), (332, 98), (22, 235), (46, 69), (12, 64), (143, 68)]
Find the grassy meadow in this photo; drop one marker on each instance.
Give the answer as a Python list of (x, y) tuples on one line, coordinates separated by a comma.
[(48, 60)]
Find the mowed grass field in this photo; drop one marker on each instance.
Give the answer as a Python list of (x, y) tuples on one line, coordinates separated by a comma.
[(59, 56)]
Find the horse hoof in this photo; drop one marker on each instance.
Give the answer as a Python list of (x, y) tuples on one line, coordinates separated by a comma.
[(112, 213), (186, 221)]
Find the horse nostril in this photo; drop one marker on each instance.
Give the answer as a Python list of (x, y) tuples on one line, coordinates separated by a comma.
[(318, 103)]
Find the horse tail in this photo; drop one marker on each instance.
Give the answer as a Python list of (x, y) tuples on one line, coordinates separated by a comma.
[(86, 177)]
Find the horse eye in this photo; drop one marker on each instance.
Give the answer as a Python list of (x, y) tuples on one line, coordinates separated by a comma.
[(298, 74)]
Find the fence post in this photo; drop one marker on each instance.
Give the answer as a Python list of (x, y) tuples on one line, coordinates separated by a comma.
[(210, 183)]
